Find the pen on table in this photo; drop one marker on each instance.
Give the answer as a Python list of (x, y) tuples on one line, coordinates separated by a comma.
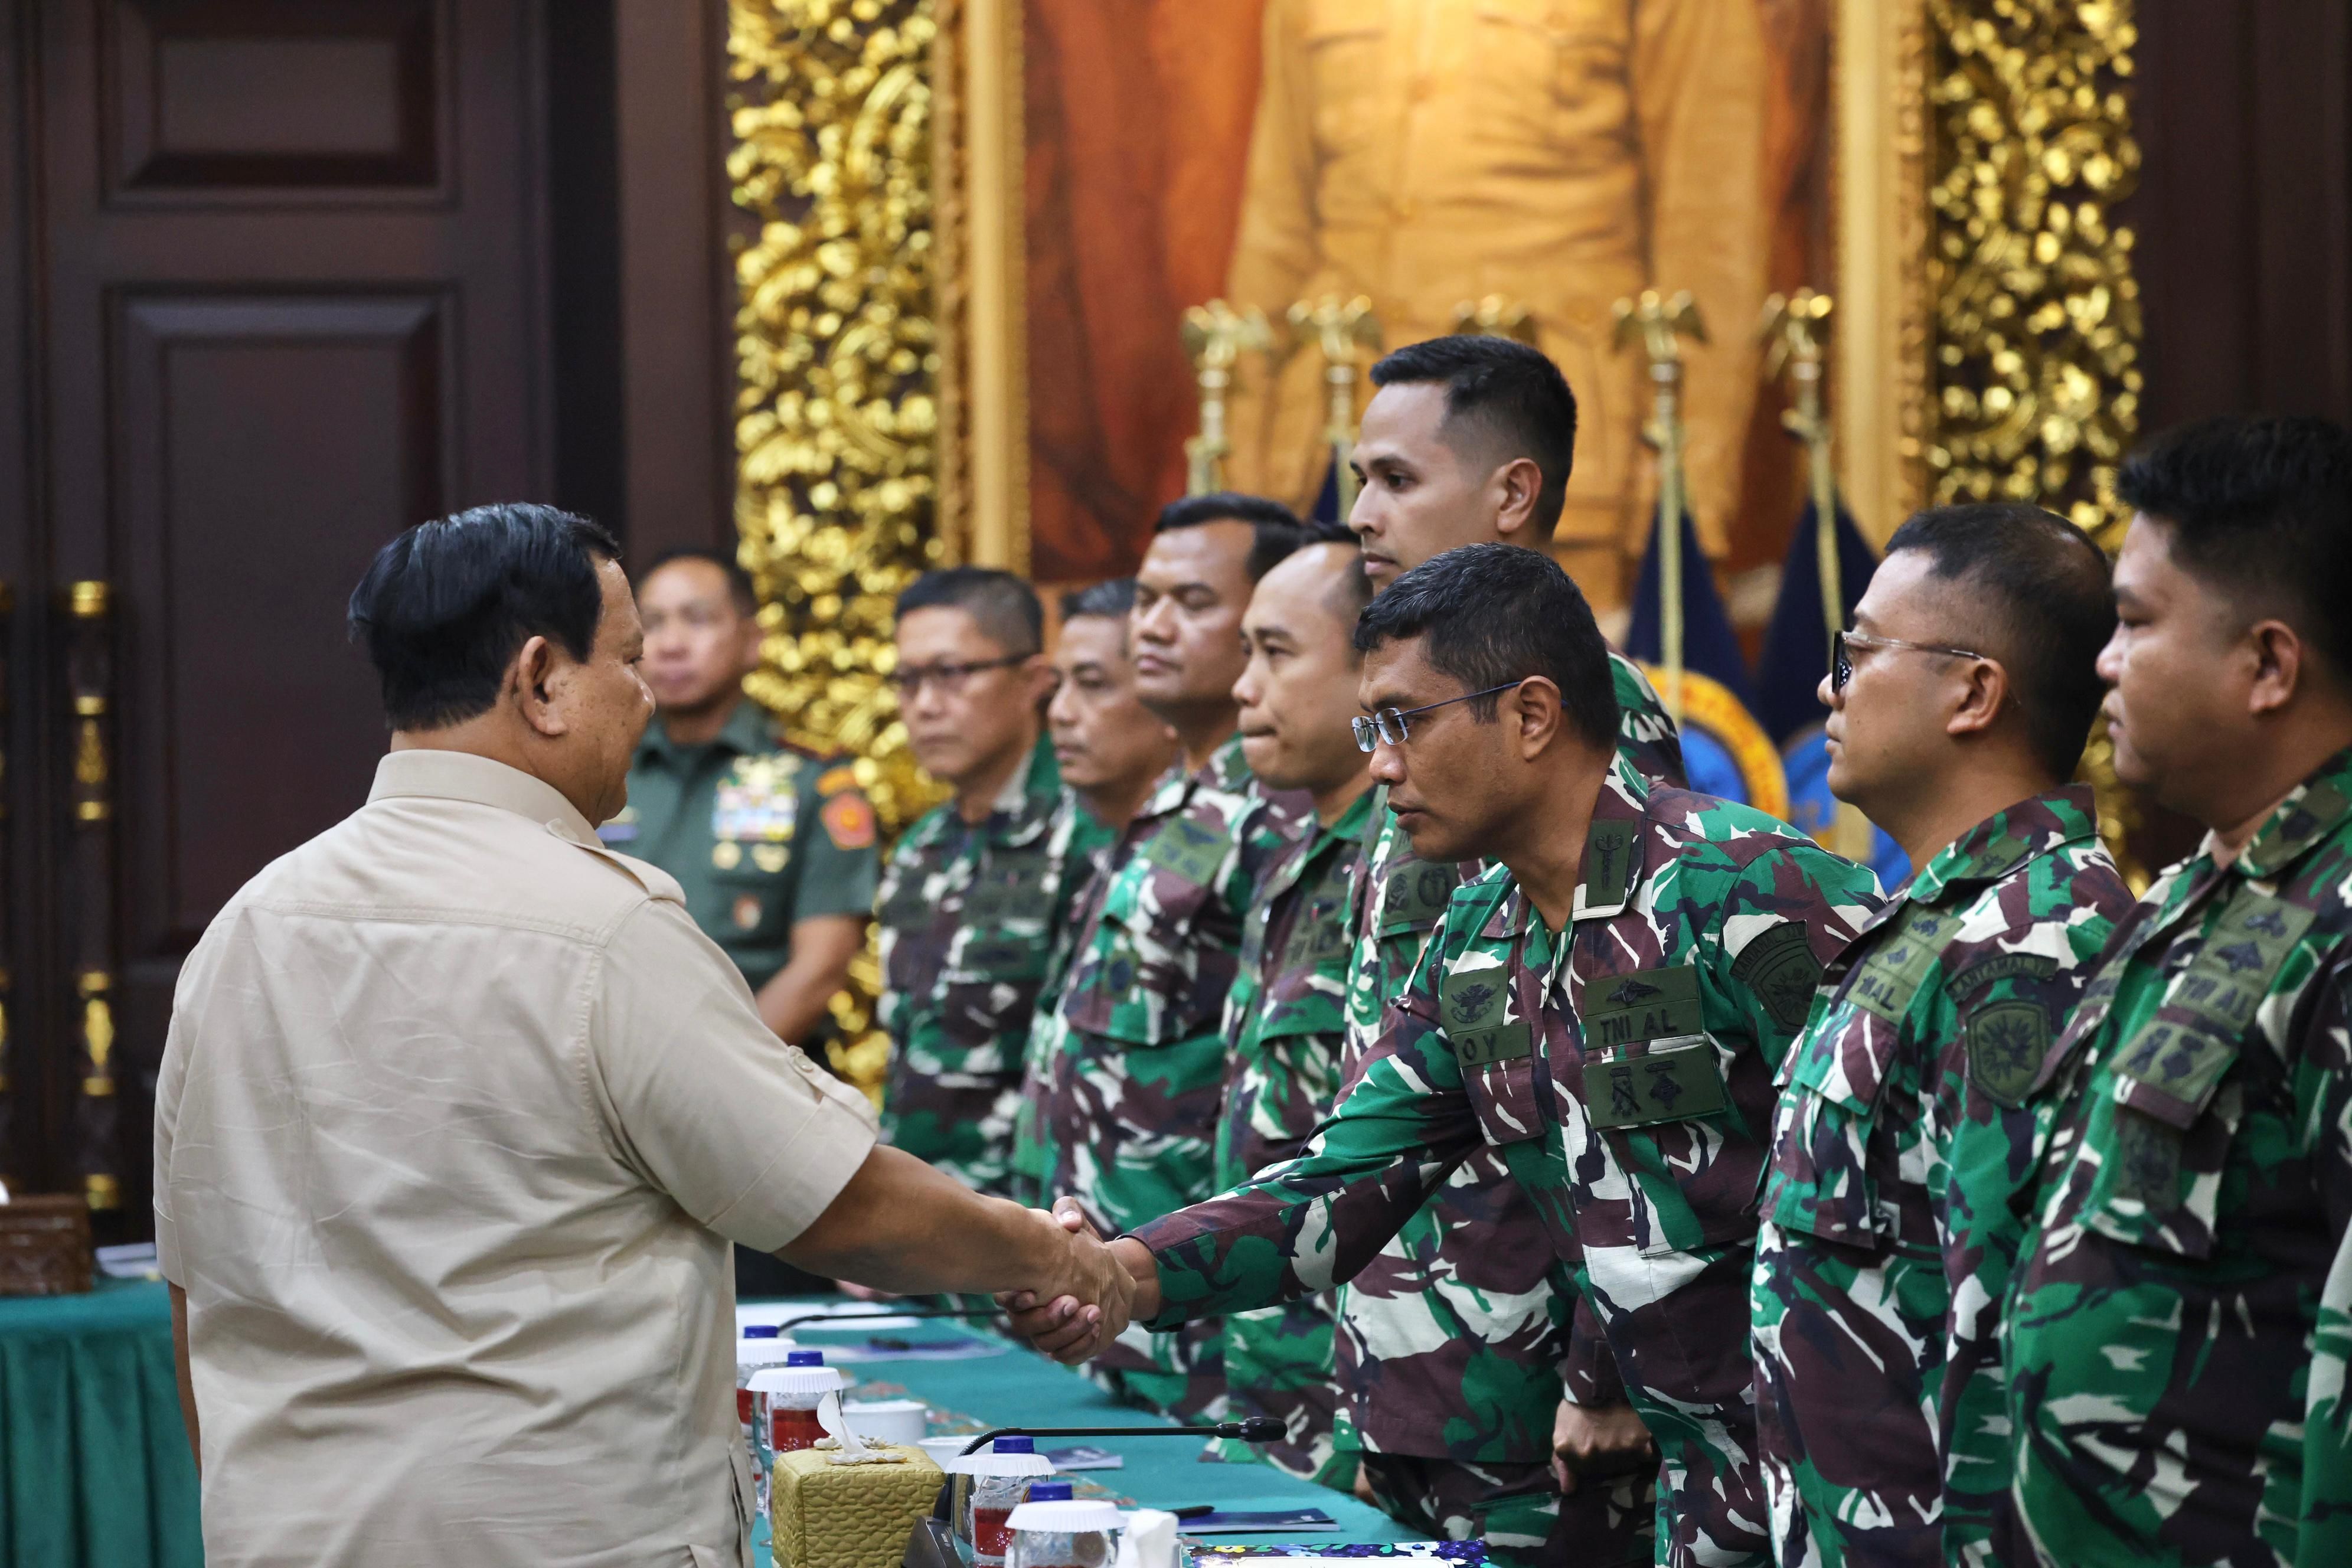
[(1194, 1510)]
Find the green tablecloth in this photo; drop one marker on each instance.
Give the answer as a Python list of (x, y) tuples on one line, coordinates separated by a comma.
[(1020, 1389), (95, 1470), (94, 1465)]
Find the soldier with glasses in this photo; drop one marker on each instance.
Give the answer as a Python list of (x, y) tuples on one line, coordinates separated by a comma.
[(1905, 1135), (1606, 1009)]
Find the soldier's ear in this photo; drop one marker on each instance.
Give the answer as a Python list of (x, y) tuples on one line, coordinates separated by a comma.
[(2278, 665), (1984, 688), (1533, 706), (1516, 486)]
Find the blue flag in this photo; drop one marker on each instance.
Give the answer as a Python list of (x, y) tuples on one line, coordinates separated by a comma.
[(1797, 643), (1709, 645)]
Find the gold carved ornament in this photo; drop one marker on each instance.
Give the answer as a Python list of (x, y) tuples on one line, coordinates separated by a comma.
[(2034, 366), (835, 417), (1214, 336)]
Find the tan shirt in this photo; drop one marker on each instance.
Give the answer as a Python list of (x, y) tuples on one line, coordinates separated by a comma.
[(458, 1117), (1561, 154)]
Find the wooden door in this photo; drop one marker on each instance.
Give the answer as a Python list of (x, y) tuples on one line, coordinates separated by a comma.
[(279, 294)]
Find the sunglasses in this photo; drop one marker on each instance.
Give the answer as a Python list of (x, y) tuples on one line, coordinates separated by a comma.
[(1841, 658)]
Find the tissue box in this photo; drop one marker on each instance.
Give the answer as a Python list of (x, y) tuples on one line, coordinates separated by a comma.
[(45, 1247), (849, 1516)]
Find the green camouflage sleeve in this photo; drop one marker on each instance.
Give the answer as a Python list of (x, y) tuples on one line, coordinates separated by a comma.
[(1398, 1130), (2326, 1534)]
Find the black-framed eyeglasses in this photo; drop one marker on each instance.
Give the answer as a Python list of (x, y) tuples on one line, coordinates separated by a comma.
[(1842, 661), (909, 680), (1388, 724)]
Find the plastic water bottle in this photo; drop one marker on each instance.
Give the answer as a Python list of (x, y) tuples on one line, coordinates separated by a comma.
[(1052, 1530), (993, 1499), (791, 1410)]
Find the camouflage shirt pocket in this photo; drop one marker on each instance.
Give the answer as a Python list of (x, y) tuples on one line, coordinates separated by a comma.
[(1821, 1180), (1155, 976)]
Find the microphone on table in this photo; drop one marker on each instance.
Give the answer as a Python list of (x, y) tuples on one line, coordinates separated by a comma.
[(932, 1546)]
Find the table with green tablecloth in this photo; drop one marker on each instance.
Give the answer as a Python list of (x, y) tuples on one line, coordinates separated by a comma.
[(95, 1470), (1021, 1389)]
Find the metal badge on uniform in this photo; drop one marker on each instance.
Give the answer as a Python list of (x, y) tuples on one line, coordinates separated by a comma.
[(746, 911), (770, 858), (1674, 1080), (726, 855), (756, 800), (848, 821)]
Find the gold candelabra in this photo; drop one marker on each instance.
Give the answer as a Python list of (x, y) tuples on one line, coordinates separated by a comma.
[(1655, 326)]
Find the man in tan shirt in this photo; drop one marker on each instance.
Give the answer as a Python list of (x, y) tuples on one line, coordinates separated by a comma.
[(460, 1111), (1560, 153)]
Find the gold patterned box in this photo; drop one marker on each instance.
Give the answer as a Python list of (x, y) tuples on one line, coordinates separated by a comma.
[(43, 1246), (849, 1516)]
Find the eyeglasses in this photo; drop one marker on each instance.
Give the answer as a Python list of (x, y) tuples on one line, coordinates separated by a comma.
[(1842, 660), (1388, 724), (909, 680)]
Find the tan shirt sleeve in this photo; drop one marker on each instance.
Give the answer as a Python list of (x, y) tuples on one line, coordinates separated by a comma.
[(1698, 94), (702, 1099)]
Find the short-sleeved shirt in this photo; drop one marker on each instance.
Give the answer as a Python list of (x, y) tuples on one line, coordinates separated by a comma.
[(759, 834), (458, 1117)]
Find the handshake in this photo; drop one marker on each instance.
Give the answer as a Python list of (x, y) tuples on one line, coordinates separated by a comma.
[(1091, 1289)]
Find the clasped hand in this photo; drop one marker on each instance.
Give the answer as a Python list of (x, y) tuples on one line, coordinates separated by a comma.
[(1094, 1294)]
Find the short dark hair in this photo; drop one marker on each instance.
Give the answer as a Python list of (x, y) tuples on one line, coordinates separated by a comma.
[(739, 586), (444, 608), (1506, 391), (1496, 613), (2049, 603), (2259, 506), (1004, 607), (1116, 597), (1274, 529), (1355, 588)]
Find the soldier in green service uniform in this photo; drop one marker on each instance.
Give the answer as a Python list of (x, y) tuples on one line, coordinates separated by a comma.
[(1958, 708), (1283, 1019), (976, 889), (773, 844), (1453, 1340), (2175, 1329)]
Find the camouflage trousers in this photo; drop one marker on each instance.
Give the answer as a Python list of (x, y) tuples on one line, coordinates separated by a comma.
[(1279, 1362), (1711, 1510), (1180, 1374), (1518, 1510)]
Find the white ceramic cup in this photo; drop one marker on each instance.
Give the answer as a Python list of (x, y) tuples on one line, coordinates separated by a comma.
[(886, 1420)]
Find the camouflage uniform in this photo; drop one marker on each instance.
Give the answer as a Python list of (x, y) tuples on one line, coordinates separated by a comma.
[(1074, 838), (2168, 1337), (1136, 1063), (969, 913), (1285, 1020), (1893, 1204), (1451, 1341), (1697, 936)]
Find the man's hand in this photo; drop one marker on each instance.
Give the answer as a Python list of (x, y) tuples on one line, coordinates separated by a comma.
[(1598, 1442), (1121, 1277)]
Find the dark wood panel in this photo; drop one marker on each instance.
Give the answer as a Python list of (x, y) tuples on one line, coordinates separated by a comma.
[(273, 93), (267, 448), (2244, 215)]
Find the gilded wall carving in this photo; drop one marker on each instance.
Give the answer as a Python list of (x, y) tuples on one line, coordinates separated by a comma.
[(2034, 377), (837, 416)]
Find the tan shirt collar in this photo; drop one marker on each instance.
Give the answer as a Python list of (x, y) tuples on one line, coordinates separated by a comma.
[(465, 775)]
